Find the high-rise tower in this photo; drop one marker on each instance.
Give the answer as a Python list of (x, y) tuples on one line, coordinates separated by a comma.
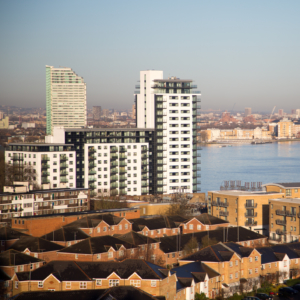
[(65, 99), (170, 107)]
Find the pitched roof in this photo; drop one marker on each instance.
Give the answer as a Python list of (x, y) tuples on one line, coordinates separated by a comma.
[(231, 234), (62, 270), (100, 244), (65, 234), (14, 258), (116, 293), (35, 244), (267, 255), (7, 233), (123, 269), (208, 219), (136, 239), (153, 223)]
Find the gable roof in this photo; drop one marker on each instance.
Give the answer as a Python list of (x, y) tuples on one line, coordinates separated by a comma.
[(153, 223), (100, 244), (136, 239), (65, 234), (7, 233), (208, 219), (35, 244), (14, 258)]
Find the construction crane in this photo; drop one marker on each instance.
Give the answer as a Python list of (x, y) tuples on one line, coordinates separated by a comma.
[(271, 116)]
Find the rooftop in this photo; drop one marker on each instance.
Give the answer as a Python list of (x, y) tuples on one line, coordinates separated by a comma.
[(285, 184), (287, 200), (244, 193)]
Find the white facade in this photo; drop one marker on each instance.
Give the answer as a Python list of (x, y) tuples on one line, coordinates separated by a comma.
[(115, 169), (65, 98), (56, 168), (170, 106)]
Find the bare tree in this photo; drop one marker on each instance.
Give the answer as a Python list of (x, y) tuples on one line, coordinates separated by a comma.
[(191, 246)]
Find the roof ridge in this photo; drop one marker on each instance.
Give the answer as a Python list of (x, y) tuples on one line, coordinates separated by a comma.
[(81, 270), (149, 267), (90, 245), (63, 232), (214, 253)]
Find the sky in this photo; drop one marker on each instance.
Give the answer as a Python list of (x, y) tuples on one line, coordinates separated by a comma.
[(239, 53)]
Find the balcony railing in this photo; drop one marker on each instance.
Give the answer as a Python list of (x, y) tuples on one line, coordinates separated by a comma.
[(113, 149), (92, 179), (285, 213), (250, 215), (215, 203), (64, 173), (92, 172), (63, 158), (45, 159), (251, 205), (280, 232), (92, 150), (114, 171), (63, 180), (280, 222), (250, 223), (275, 239), (224, 213), (63, 166), (45, 166), (45, 174), (92, 157), (122, 178), (122, 149)]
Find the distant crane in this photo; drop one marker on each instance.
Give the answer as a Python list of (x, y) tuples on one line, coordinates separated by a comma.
[(271, 115)]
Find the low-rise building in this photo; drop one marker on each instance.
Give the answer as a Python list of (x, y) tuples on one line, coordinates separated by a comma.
[(243, 208), (8, 236), (288, 189), (64, 276), (284, 220)]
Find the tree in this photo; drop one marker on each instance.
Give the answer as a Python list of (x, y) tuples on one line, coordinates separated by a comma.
[(206, 241), (203, 135), (201, 296), (191, 246), (20, 173)]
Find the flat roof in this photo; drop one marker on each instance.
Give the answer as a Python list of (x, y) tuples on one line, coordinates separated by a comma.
[(39, 144), (285, 184), (109, 129), (245, 193), (173, 80), (86, 212), (42, 191), (287, 200)]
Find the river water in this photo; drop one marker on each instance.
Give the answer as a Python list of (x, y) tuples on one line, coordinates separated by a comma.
[(276, 162)]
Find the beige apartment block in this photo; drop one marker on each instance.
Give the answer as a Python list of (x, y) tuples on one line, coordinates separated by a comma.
[(242, 208), (284, 128), (289, 189), (284, 220)]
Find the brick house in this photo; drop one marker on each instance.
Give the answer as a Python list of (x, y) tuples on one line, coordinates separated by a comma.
[(8, 236), (66, 236), (37, 247), (70, 275)]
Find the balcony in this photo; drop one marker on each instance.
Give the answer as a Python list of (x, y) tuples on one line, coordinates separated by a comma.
[(144, 169), (17, 157), (92, 179), (63, 180), (92, 150), (122, 150), (45, 181), (280, 232), (275, 239), (122, 178), (113, 149), (123, 192), (114, 171), (63, 158), (92, 165), (250, 223), (285, 213), (45, 159), (114, 186), (251, 215), (64, 166), (114, 178), (45, 166), (280, 222), (92, 157), (114, 192), (45, 174), (92, 186), (144, 184), (146, 177), (122, 156), (114, 156), (123, 164), (123, 185), (64, 173), (251, 205), (114, 164), (122, 170), (216, 203), (92, 172), (144, 149), (224, 213)]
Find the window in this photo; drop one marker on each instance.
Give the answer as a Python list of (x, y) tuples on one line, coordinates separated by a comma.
[(110, 254), (230, 264), (68, 285), (136, 283), (98, 282), (16, 284), (275, 264), (250, 271), (230, 276), (40, 284), (250, 259), (82, 285), (191, 226), (236, 262), (120, 227), (256, 258), (236, 274), (256, 270), (153, 283), (113, 282)]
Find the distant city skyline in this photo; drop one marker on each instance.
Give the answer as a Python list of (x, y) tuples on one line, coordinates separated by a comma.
[(240, 54)]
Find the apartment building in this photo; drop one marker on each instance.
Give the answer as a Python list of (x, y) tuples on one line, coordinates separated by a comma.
[(53, 164), (20, 201), (65, 99), (289, 189), (243, 208), (284, 220), (171, 107), (39, 225), (111, 161), (284, 128), (67, 276)]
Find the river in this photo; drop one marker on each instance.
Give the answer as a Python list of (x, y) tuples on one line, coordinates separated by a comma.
[(276, 162)]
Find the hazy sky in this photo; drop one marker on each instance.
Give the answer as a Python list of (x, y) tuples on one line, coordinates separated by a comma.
[(243, 52)]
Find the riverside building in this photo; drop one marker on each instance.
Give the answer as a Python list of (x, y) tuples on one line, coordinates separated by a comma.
[(65, 98)]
